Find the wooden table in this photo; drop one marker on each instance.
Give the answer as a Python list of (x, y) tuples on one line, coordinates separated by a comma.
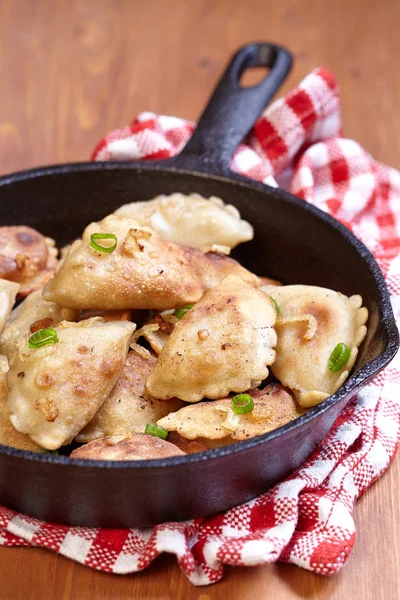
[(72, 70)]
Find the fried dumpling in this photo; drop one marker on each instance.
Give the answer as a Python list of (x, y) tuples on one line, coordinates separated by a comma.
[(142, 272), (191, 220), (223, 344), (54, 391), (26, 257), (129, 408), (119, 447), (312, 321), (8, 294), (33, 311), (213, 267), (9, 436), (216, 420)]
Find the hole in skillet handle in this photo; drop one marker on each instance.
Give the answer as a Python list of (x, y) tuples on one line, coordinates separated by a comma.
[(253, 76)]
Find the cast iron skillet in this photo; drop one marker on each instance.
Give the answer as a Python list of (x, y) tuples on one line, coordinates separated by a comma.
[(293, 241)]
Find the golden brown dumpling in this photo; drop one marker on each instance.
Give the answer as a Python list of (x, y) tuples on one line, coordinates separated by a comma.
[(9, 436), (223, 344), (129, 408), (26, 257), (32, 310), (56, 390), (8, 293), (213, 267), (312, 321), (142, 272), (119, 447), (191, 220), (216, 420)]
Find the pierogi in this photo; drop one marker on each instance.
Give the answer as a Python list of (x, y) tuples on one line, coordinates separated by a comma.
[(191, 220), (311, 322), (223, 344), (54, 391)]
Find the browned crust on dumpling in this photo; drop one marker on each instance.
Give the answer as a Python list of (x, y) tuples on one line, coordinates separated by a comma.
[(26, 257), (136, 447)]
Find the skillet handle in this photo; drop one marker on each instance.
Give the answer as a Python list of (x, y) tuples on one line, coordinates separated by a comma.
[(233, 109)]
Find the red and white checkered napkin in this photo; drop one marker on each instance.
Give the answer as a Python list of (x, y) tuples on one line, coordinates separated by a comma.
[(306, 520)]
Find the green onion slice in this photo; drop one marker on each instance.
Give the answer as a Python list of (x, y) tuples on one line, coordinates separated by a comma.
[(181, 312), (339, 357), (43, 337), (274, 302), (156, 430), (242, 404), (103, 236), (44, 451)]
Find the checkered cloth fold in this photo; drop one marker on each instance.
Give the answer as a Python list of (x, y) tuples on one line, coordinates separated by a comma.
[(306, 520)]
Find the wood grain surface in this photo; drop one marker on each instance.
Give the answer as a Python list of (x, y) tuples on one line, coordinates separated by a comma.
[(72, 70)]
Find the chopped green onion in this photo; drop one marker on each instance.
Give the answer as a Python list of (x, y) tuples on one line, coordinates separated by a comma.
[(43, 337), (181, 312), (242, 404), (157, 431), (274, 302), (339, 357), (44, 451), (103, 236)]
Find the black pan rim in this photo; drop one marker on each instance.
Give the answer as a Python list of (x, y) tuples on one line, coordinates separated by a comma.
[(355, 381)]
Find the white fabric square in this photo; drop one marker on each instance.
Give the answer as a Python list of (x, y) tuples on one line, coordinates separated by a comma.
[(22, 528), (377, 456), (75, 546), (126, 563), (125, 149), (170, 540), (256, 551)]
